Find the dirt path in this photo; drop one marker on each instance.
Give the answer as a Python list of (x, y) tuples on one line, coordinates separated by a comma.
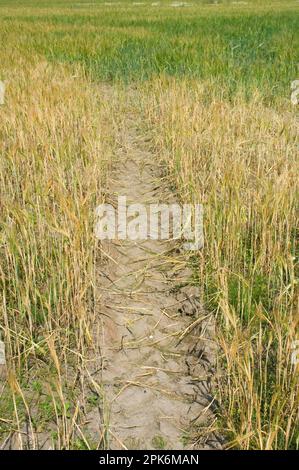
[(156, 342)]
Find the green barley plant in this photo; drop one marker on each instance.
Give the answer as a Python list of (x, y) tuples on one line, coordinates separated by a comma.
[(213, 86)]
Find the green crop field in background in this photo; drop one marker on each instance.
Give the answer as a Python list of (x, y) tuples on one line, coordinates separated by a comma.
[(240, 46)]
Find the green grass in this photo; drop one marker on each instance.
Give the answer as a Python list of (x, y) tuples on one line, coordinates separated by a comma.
[(159, 442), (239, 48)]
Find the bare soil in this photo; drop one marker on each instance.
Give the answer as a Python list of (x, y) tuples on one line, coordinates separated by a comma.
[(156, 341)]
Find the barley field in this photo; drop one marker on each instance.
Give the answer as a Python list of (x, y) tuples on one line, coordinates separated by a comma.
[(210, 85)]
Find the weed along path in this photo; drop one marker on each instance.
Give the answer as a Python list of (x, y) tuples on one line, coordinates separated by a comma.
[(156, 341)]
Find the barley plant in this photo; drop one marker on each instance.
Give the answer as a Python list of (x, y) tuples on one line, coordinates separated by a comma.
[(240, 159), (55, 146), (212, 83)]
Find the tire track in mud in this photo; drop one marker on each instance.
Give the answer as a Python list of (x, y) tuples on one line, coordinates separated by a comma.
[(156, 341)]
